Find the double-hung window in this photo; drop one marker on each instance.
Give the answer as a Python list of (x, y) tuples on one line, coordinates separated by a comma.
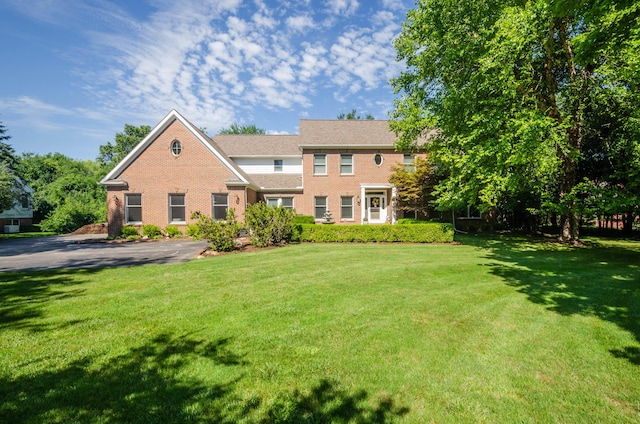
[(220, 202), (277, 165), (319, 164), (408, 163), (133, 208), (285, 202), (346, 207), (177, 209), (320, 206), (346, 163)]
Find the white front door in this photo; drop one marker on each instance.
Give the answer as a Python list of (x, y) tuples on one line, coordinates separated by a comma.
[(377, 208)]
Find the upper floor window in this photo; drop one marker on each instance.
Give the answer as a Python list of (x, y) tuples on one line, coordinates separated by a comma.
[(177, 209), (133, 208), (377, 159), (25, 201), (346, 163), (220, 202), (319, 164), (408, 163), (277, 165), (176, 147)]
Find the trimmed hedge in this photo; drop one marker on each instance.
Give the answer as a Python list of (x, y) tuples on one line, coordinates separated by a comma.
[(432, 232), (303, 219), (406, 221)]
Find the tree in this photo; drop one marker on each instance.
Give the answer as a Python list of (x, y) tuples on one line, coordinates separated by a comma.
[(112, 154), (506, 84), (7, 154), (8, 162), (354, 114), (236, 128), (415, 186)]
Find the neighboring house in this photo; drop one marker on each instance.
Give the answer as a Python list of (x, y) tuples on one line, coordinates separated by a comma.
[(21, 214), (341, 166)]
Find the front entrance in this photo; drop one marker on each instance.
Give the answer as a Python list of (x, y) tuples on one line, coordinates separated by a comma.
[(376, 208)]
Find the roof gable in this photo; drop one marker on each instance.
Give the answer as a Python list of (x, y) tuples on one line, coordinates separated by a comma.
[(171, 117)]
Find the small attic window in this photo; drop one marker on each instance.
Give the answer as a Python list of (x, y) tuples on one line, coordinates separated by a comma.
[(377, 159), (176, 147)]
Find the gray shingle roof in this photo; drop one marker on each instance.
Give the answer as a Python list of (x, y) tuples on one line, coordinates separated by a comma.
[(236, 145), (277, 181)]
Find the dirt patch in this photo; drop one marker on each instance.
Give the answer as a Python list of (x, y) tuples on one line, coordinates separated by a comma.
[(92, 229)]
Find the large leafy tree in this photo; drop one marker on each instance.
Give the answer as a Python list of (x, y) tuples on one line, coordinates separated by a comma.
[(355, 115), (8, 164), (506, 84), (415, 185), (111, 154), (236, 128)]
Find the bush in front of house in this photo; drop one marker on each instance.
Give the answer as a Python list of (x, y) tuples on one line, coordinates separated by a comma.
[(172, 231), (408, 221), (303, 219), (152, 231), (219, 234), (129, 232), (431, 232), (268, 225)]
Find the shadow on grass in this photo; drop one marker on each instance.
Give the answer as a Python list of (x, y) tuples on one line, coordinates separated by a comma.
[(152, 383), (23, 295), (593, 280)]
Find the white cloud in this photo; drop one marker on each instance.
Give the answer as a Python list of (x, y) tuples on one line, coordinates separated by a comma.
[(300, 23), (343, 7)]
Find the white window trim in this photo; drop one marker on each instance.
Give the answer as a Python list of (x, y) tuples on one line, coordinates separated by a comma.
[(325, 163), (213, 205), (127, 206), (352, 208), (184, 196), (315, 205), (352, 166)]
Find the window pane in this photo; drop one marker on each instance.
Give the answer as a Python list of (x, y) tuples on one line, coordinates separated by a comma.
[(287, 202), (346, 164), (177, 210), (176, 199), (320, 207), (220, 204), (277, 165), (133, 209), (134, 214), (273, 202), (346, 207), (134, 199), (319, 164), (408, 163)]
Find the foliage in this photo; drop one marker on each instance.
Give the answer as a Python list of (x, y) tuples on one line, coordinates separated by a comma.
[(152, 231), (355, 115), (7, 153), (268, 225), (8, 191), (303, 219), (111, 154), (76, 211), (431, 232), (415, 187), (129, 231), (236, 128), (412, 221), (220, 234), (172, 231), (502, 83)]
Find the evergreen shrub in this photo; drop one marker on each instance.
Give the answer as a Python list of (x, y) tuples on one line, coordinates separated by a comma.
[(431, 232)]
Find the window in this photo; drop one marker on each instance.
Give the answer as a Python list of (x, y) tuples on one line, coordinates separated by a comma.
[(24, 201), (346, 163), (320, 206), (133, 208), (319, 164), (408, 163), (377, 159), (176, 147), (285, 202), (177, 210), (277, 165), (470, 212), (346, 207), (220, 202)]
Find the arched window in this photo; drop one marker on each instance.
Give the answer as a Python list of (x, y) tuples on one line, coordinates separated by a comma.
[(176, 147)]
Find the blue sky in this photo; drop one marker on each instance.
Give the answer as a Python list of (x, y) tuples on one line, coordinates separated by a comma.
[(74, 72)]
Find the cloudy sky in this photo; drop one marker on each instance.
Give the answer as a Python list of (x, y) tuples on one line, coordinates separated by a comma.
[(74, 72)]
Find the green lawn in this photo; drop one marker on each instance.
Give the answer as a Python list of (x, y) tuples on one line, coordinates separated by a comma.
[(500, 330)]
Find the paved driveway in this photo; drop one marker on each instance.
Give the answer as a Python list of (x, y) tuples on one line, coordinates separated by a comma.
[(85, 251)]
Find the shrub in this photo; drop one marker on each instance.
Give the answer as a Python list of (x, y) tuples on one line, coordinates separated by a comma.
[(407, 221), (303, 219), (268, 225), (129, 232), (151, 231), (172, 231), (428, 233), (71, 215), (219, 234)]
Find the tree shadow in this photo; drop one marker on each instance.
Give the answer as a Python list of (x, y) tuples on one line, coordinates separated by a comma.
[(592, 280), (142, 385), (23, 295), (326, 402)]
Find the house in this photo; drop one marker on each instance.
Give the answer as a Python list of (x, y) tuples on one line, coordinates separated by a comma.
[(340, 166), (21, 214)]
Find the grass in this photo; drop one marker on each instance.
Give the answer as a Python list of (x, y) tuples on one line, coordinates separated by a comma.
[(493, 330)]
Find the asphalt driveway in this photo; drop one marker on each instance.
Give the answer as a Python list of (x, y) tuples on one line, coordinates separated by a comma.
[(90, 251)]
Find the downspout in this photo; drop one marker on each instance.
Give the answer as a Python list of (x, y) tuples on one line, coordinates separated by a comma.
[(453, 218)]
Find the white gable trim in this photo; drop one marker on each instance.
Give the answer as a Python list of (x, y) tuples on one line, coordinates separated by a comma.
[(155, 132)]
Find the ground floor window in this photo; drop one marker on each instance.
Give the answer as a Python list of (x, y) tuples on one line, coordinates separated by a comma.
[(177, 209), (320, 206), (133, 208), (470, 212), (346, 207), (220, 203), (285, 202)]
